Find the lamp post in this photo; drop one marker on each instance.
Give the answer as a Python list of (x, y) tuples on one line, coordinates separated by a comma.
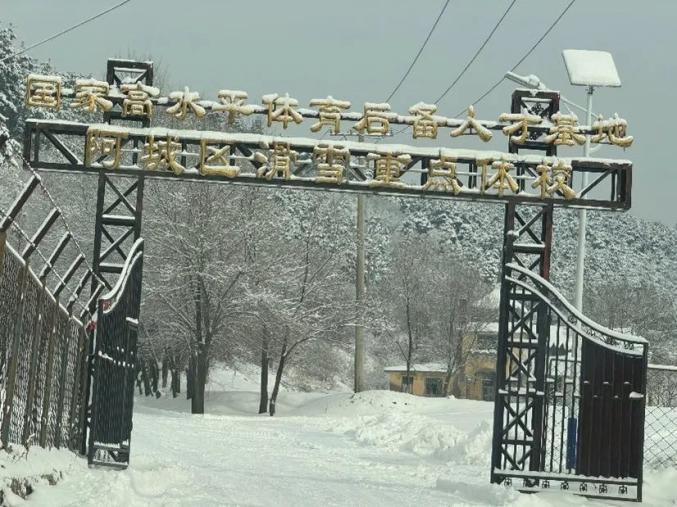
[(534, 82), (583, 216), (590, 69)]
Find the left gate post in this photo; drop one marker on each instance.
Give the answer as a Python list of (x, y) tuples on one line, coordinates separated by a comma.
[(119, 206)]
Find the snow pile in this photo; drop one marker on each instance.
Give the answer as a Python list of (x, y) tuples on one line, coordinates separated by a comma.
[(364, 403), (22, 472), (420, 435), (445, 429)]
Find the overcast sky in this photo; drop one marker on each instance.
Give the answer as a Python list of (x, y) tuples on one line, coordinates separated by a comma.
[(358, 49)]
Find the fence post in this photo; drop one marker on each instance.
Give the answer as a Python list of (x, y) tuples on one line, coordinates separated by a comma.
[(3, 241), (44, 422), (10, 380), (62, 390), (85, 387), (19, 202), (74, 427), (34, 345)]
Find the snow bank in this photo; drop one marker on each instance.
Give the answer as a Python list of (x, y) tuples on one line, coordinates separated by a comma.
[(421, 435), (364, 403), (22, 472), (427, 427)]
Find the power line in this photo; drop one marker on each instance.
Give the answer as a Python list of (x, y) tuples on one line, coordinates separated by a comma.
[(425, 43), (65, 31), (521, 60), (477, 53), (526, 55)]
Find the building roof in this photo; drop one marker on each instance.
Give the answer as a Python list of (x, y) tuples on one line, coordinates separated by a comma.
[(491, 301), (419, 368)]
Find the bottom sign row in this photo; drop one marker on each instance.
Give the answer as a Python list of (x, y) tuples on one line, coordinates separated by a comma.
[(329, 163)]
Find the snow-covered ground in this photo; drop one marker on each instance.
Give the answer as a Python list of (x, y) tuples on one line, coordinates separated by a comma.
[(375, 448)]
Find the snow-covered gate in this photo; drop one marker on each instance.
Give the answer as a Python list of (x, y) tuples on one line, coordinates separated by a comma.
[(569, 410), (113, 367), (549, 407)]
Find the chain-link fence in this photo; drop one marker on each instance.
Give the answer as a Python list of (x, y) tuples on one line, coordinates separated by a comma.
[(43, 342), (660, 438)]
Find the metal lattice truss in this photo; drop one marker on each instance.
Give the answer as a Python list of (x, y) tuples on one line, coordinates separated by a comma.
[(126, 96), (328, 165), (118, 224), (520, 377)]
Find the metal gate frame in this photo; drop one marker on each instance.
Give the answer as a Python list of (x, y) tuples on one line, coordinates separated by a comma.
[(113, 367), (553, 410), (531, 385)]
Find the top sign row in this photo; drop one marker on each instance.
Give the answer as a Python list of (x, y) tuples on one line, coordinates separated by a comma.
[(139, 101)]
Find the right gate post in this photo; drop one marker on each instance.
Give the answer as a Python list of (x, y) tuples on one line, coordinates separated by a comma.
[(518, 437)]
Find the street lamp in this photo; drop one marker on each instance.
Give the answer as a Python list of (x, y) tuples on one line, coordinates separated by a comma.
[(534, 82), (590, 69)]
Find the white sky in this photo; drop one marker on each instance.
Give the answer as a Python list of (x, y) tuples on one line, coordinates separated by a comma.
[(357, 50)]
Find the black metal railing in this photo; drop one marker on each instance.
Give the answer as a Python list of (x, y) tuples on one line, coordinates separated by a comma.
[(571, 397)]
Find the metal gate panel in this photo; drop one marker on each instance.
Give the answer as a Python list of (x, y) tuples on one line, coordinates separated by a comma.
[(113, 367), (570, 396)]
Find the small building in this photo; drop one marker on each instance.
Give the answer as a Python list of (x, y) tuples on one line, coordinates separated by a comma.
[(476, 378), (426, 379)]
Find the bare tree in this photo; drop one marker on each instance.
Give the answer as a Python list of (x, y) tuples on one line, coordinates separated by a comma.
[(192, 275)]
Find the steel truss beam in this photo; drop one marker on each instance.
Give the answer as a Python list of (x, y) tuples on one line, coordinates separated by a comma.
[(119, 202), (610, 187), (520, 372)]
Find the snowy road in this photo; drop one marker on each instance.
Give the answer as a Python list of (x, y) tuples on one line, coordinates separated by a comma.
[(285, 461), (378, 448), (179, 459)]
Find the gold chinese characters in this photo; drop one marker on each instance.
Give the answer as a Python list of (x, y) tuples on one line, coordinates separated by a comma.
[(138, 101), (328, 163)]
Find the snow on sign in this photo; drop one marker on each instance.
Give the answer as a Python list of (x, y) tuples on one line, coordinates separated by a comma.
[(591, 68), (395, 169)]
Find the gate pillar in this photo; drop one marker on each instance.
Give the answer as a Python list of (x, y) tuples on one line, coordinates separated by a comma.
[(119, 206), (523, 337), (523, 334), (119, 201)]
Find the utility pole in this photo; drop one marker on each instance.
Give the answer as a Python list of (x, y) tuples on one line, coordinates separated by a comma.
[(359, 295)]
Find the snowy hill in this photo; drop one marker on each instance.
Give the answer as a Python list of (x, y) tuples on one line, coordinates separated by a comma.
[(619, 246)]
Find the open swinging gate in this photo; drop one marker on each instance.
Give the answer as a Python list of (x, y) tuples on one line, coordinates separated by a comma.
[(113, 367), (569, 408)]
